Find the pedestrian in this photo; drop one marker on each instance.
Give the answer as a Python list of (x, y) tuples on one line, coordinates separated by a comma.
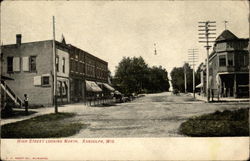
[(26, 103)]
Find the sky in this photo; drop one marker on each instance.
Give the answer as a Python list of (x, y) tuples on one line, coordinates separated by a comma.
[(112, 30)]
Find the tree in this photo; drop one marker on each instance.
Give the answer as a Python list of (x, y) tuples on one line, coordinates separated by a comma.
[(198, 74), (133, 75), (130, 75), (158, 80), (177, 78)]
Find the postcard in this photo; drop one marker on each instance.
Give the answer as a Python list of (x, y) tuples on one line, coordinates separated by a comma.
[(124, 80)]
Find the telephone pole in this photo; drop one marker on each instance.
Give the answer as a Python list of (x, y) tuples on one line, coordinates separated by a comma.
[(206, 29), (193, 58), (54, 68), (185, 77)]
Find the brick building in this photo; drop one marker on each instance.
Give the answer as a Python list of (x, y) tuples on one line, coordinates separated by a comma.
[(31, 66), (228, 67), (89, 76)]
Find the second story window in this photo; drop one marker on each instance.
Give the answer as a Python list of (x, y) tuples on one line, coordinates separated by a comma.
[(222, 60), (243, 60), (63, 65), (57, 64), (9, 64), (230, 60), (33, 63), (246, 60)]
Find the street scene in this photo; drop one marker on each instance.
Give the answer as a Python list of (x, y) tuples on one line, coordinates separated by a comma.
[(124, 70), (155, 115), (139, 117), (124, 80)]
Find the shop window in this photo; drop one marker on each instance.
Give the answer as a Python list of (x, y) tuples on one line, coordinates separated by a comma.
[(222, 60)]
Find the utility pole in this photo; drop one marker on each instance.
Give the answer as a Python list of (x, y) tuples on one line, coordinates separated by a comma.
[(185, 77), (155, 52), (192, 58), (249, 58), (206, 29), (54, 68)]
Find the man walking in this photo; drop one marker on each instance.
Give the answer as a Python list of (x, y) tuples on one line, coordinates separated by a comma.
[(26, 103)]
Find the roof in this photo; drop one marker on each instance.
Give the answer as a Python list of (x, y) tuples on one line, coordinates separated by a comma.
[(226, 35)]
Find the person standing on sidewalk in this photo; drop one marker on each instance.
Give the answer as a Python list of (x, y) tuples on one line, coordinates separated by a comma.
[(26, 103)]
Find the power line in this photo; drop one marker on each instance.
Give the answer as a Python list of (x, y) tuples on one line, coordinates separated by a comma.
[(206, 29), (192, 57)]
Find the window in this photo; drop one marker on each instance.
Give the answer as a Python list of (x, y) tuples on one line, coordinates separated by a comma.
[(45, 80), (16, 64), (210, 71), (71, 66), (26, 66), (243, 60), (75, 66), (42, 80), (82, 68), (230, 60), (57, 64), (33, 63), (246, 60), (222, 60), (37, 81), (63, 65), (9, 64)]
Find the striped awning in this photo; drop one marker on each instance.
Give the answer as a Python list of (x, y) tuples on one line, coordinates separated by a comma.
[(92, 87), (199, 85), (108, 87)]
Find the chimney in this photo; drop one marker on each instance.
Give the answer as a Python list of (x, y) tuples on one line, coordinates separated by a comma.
[(18, 39)]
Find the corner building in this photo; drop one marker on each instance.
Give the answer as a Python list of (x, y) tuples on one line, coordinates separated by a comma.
[(30, 66)]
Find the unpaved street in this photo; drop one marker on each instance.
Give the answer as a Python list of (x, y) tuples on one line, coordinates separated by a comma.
[(155, 115)]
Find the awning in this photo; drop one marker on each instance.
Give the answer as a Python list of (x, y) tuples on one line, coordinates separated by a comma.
[(108, 87), (199, 85), (92, 87)]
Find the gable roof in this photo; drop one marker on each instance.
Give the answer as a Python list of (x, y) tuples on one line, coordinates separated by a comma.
[(226, 35)]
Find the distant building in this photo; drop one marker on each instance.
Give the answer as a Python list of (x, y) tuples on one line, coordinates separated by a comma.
[(228, 67), (31, 66)]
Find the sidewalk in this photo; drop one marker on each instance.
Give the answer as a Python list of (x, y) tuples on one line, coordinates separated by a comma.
[(223, 99), (46, 110)]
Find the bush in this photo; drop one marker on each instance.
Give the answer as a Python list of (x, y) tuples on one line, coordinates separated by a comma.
[(45, 126), (226, 123)]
